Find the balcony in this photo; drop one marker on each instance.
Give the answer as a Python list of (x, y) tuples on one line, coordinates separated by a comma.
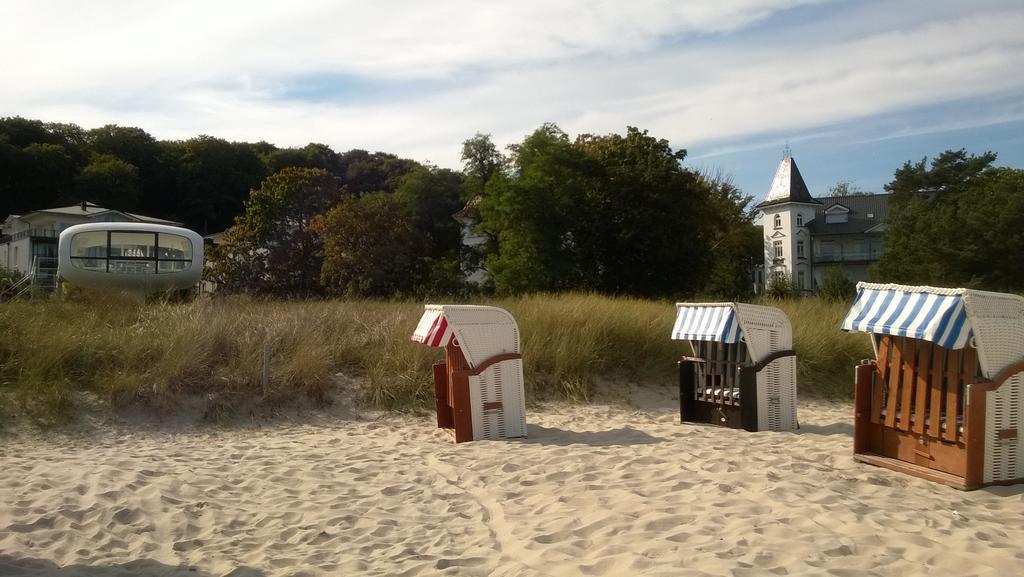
[(853, 256), (31, 233)]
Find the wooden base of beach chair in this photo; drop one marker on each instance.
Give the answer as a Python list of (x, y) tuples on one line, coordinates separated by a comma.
[(721, 387), (455, 401), (920, 409), (730, 404)]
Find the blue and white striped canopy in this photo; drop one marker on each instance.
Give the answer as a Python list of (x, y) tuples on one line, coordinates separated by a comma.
[(706, 323), (912, 312)]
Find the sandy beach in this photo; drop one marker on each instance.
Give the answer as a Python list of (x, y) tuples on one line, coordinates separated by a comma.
[(594, 490)]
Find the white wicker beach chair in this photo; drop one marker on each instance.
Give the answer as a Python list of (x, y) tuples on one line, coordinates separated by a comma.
[(944, 398), (743, 372), (479, 387)]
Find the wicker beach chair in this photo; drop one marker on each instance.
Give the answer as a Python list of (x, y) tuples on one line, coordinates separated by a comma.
[(944, 397), (743, 372), (479, 387)]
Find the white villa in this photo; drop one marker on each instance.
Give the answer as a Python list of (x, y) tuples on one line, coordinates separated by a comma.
[(805, 235), (28, 242)]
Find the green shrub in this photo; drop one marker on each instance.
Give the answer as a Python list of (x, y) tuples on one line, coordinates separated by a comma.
[(780, 286), (835, 286)]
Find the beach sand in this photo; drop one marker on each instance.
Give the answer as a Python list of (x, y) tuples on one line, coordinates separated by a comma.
[(594, 490)]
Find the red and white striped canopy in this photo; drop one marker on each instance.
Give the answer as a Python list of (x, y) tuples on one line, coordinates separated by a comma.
[(433, 329)]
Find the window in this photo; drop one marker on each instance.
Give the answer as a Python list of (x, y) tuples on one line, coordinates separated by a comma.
[(799, 219), (837, 216), (131, 252), (826, 251), (801, 280), (778, 249), (778, 221), (799, 249), (855, 250)]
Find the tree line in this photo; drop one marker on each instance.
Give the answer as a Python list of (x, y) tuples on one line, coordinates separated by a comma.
[(615, 213), (955, 221), (202, 182)]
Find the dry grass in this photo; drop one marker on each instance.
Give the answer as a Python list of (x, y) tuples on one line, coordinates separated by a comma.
[(125, 353), (826, 356)]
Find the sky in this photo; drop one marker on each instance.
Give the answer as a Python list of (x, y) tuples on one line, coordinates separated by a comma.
[(855, 88)]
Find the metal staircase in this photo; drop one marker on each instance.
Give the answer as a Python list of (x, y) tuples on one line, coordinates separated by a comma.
[(39, 281)]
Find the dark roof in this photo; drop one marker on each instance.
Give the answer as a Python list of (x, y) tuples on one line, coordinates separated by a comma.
[(91, 210), (787, 186), (858, 221)]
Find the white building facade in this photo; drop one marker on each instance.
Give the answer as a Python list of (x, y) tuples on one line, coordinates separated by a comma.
[(805, 236), (29, 242), (787, 211)]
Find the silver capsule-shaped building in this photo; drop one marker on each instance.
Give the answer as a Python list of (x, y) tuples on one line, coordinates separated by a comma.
[(130, 256)]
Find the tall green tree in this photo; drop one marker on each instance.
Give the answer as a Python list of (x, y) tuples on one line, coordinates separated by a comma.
[(50, 172), (481, 160), (313, 155), (272, 247), (928, 236), (402, 243), (38, 163), (735, 241), (616, 214), (363, 171), (993, 230), (370, 246), (433, 195), (110, 182), (213, 178), (531, 213), (653, 232), (137, 147)]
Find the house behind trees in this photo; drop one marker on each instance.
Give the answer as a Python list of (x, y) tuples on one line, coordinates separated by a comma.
[(805, 235)]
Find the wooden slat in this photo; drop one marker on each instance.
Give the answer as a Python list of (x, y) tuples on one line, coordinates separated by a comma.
[(700, 370), (915, 470), (881, 376), (737, 357), (862, 397), (727, 369), (712, 370), (970, 365), (974, 432), (723, 364), (740, 357), (953, 385), (894, 383), (909, 355), (924, 357), (969, 374), (938, 364)]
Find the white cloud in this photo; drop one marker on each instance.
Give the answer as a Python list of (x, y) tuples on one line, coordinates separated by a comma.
[(184, 68)]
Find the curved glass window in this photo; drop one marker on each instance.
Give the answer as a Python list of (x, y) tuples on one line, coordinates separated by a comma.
[(131, 252), (173, 246), (89, 244)]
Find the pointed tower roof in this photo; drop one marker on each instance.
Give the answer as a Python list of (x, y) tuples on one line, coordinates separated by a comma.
[(788, 186)]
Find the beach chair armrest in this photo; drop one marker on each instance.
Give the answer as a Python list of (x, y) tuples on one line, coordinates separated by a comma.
[(772, 357), (997, 381)]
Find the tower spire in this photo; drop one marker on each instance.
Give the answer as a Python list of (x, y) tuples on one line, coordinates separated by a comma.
[(786, 152)]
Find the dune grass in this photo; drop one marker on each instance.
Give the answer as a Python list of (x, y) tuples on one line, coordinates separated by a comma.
[(123, 353)]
